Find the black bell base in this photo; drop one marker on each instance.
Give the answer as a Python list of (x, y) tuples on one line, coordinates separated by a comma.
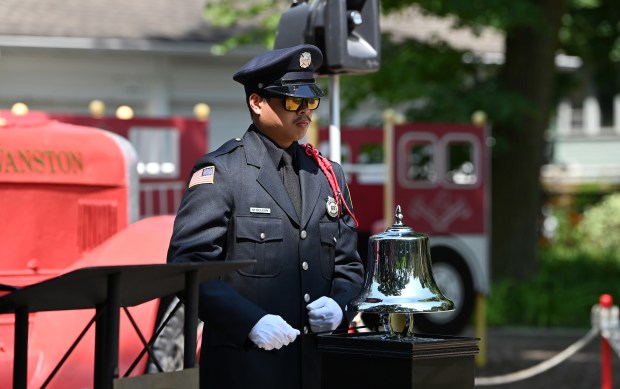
[(374, 360)]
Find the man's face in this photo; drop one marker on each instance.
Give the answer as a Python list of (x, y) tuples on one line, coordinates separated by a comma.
[(282, 126)]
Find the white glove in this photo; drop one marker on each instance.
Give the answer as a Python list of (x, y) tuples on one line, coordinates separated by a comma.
[(271, 331), (324, 314)]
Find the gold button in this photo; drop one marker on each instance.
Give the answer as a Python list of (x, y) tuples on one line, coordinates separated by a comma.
[(307, 297), (303, 234), (304, 265), (262, 235)]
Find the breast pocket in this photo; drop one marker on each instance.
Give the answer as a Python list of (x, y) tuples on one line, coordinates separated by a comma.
[(329, 238), (260, 239)]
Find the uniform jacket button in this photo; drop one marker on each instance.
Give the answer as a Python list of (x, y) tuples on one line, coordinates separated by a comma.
[(304, 265), (262, 235), (303, 234), (305, 329), (307, 297)]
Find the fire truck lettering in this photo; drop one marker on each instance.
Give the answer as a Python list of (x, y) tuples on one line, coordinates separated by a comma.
[(76, 159), (41, 161), (66, 162), (49, 155), (10, 163), (25, 160)]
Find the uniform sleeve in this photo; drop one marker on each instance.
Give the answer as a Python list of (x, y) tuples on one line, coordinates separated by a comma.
[(200, 235), (349, 270)]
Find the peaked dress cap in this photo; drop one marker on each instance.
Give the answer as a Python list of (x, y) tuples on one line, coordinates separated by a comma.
[(285, 72)]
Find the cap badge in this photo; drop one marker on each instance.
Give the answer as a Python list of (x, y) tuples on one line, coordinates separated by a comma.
[(305, 60), (332, 207)]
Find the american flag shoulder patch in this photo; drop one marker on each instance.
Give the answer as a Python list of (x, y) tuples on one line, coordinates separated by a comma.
[(202, 176)]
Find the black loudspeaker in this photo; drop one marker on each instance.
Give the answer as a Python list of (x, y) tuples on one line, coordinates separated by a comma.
[(346, 31)]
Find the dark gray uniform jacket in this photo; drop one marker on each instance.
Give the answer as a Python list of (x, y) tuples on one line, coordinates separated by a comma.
[(246, 214)]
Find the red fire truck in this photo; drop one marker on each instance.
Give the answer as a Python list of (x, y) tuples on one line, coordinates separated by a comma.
[(69, 198), (167, 148), (438, 174)]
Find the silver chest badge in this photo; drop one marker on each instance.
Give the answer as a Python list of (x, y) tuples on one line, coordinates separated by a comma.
[(332, 207)]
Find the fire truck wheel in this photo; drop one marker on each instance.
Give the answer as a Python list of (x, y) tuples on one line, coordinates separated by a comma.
[(454, 280), (168, 347)]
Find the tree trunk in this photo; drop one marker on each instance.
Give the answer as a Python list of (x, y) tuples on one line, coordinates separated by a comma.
[(528, 71)]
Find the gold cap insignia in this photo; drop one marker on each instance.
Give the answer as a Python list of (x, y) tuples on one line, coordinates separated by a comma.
[(305, 60)]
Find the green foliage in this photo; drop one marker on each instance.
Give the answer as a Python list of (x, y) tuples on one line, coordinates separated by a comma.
[(493, 13), (429, 81), (599, 229), (561, 294), (590, 30), (581, 264), (263, 14)]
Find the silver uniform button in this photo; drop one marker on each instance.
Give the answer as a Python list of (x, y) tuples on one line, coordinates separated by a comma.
[(238, 139), (304, 265), (335, 240), (262, 235), (307, 297), (305, 329), (303, 234)]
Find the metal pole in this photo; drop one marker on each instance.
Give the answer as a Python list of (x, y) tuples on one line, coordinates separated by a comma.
[(334, 118), (20, 361), (606, 302), (481, 329), (388, 161), (106, 336), (191, 318)]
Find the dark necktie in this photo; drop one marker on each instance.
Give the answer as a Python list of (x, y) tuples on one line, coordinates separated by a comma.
[(291, 181)]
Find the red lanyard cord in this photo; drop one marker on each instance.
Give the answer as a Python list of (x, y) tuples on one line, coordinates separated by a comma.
[(328, 170)]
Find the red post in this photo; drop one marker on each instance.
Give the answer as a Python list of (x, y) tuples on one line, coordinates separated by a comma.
[(606, 302)]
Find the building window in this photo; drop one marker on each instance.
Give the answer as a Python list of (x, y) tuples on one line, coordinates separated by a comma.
[(158, 151), (461, 169)]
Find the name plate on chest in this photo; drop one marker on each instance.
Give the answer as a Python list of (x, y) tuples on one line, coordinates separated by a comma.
[(260, 210)]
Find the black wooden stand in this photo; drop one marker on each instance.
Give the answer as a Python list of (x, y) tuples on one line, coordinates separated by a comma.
[(372, 360), (108, 288)]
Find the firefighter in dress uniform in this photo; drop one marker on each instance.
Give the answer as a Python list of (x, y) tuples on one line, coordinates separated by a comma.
[(261, 321)]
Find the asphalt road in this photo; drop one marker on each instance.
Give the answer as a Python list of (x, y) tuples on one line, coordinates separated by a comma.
[(511, 350)]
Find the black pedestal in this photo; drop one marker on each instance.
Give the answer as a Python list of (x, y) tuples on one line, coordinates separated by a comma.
[(372, 360)]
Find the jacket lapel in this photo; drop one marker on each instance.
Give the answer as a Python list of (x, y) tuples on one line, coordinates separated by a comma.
[(268, 177), (310, 179)]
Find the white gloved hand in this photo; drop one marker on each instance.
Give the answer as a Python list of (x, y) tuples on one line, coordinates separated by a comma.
[(324, 314), (271, 331)]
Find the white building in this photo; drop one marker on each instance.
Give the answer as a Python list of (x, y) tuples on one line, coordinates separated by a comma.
[(154, 56)]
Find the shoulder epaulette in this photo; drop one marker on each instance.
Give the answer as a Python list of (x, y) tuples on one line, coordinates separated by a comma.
[(228, 146)]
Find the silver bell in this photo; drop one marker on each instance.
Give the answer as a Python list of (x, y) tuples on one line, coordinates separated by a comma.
[(399, 279)]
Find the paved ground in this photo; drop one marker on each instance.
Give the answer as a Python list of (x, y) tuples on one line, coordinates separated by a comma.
[(511, 350)]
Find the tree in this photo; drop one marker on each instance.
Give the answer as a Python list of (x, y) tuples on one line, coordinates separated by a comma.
[(517, 96), (529, 71), (590, 31)]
